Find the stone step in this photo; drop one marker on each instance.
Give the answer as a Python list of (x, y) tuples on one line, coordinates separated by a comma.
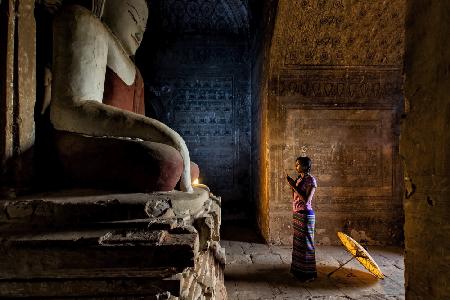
[(128, 288), (84, 207), (96, 253)]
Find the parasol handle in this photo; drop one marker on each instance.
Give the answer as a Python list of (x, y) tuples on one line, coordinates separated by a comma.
[(352, 258)]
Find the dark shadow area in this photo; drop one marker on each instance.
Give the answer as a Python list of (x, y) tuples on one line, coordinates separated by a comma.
[(241, 231)]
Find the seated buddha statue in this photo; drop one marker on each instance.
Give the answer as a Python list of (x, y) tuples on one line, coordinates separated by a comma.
[(101, 134)]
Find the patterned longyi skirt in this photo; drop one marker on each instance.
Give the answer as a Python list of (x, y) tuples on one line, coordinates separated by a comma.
[(303, 253)]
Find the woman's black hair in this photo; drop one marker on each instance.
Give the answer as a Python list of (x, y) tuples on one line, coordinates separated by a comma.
[(305, 163)]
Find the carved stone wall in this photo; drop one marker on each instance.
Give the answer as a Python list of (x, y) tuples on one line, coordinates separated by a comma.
[(202, 111), (202, 90), (339, 32), (353, 152), (335, 92)]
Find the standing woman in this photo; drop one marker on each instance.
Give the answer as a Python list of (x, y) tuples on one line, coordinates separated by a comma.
[(303, 254)]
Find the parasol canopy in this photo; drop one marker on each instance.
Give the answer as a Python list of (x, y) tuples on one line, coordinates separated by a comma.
[(358, 252)]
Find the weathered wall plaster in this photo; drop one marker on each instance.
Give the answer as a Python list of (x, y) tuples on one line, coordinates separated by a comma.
[(425, 144)]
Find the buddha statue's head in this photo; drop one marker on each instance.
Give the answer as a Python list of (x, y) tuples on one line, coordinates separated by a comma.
[(127, 20)]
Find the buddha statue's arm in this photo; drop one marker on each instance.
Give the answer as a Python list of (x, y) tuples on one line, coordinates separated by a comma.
[(79, 63)]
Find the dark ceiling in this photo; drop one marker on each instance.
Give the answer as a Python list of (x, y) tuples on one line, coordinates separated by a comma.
[(217, 17), (198, 17)]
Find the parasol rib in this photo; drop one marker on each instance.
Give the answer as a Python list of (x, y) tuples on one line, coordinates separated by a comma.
[(341, 265)]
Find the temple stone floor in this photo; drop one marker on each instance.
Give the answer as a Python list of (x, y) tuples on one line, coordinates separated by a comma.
[(258, 271)]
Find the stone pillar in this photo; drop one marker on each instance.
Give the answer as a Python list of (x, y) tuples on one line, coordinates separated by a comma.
[(335, 94), (18, 93), (425, 146), (7, 29), (264, 27)]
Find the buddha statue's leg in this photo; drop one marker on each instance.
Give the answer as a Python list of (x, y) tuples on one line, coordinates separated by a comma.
[(119, 164)]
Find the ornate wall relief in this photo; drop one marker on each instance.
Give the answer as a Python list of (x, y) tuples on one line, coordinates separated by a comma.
[(202, 111), (204, 16), (340, 32)]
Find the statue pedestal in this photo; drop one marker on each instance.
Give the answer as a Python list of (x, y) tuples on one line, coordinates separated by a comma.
[(99, 246)]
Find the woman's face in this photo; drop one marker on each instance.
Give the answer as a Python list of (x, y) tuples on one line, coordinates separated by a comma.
[(127, 20), (298, 167)]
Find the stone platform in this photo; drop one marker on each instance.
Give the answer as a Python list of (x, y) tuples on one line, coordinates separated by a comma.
[(96, 246)]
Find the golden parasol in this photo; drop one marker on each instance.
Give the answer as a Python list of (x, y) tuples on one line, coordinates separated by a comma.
[(358, 252)]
